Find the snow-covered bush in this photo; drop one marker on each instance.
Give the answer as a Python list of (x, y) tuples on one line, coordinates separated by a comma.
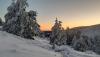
[(77, 41), (82, 43), (96, 47)]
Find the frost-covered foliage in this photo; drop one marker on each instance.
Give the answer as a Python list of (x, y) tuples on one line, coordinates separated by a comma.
[(35, 26), (82, 44), (18, 21), (1, 22), (79, 42), (57, 33), (96, 47), (69, 35)]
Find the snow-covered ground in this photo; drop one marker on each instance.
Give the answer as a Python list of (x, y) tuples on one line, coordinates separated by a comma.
[(15, 46), (67, 51)]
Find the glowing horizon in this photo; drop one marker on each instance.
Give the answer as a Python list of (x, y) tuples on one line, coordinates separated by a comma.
[(47, 27)]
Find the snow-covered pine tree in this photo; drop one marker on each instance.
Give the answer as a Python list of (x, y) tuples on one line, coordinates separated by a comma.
[(18, 21), (57, 33), (11, 19), (35, 27), (63, 38), (96, 45), (69, 35), (54, 31), (1, 22)]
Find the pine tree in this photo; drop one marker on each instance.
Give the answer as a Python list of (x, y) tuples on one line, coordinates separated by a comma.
[(1, 22), (11, 19), (57, 33), (96, 45), (18, 21), (69, 35)]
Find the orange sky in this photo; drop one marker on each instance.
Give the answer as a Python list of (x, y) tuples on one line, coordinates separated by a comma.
[(71, 24), (45, 27)]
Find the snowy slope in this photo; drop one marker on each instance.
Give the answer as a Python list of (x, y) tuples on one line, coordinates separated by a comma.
[(14, 46), (69, 52)]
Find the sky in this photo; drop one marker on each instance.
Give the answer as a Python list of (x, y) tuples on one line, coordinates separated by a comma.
[(72, 13)]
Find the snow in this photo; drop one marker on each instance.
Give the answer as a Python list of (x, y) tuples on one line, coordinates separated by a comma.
[(14, 46), (67, 51)]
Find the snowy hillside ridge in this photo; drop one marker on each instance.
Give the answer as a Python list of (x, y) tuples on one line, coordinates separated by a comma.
[(15, 46), (90, 31)]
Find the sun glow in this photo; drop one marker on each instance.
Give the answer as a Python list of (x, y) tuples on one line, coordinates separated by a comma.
[(74, 23)]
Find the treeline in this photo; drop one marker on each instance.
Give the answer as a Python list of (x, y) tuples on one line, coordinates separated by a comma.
[(73, 38)]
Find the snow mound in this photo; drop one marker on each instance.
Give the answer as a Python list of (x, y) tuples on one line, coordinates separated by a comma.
[(14, 46)]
